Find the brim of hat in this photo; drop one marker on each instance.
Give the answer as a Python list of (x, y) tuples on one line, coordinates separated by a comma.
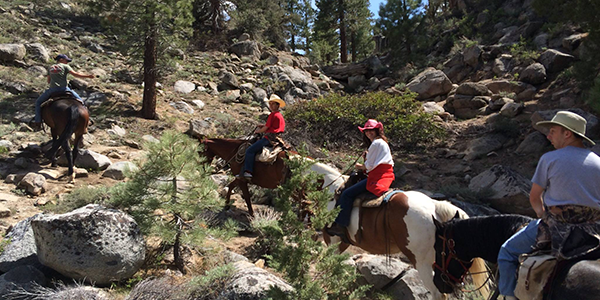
[(280, 101), (365, 128), (550, 123)]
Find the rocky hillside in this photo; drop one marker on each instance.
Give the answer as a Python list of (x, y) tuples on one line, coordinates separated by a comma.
[(487, 95)]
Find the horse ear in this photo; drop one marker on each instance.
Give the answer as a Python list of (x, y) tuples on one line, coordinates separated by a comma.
[(437, 223), (456, 216)]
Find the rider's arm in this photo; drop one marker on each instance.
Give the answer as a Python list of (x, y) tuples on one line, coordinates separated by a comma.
[(535, 198), (81, 75), (261, 130)]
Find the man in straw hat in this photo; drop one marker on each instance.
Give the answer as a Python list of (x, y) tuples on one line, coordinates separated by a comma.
[(275, 125), (566, 187)]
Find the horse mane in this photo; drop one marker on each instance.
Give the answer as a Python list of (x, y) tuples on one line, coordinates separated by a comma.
[(445, 211), (325, 169)]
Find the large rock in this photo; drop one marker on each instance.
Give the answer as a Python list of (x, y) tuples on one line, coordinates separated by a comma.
[(184, 87), (88, 159), (555, 61), (251, 283), (534, 74), (534, 142), (473, 89), (33, 183), (482, 146), (247, 48), (472, 55), (92, 243), (119, 169), (200, 128), (182, 106), (38, 52), (228, 81), (430, 83), (591, 129), (11, 52), (21, 279), (20, 249), (511, 189), (379, 270), (163, 288)]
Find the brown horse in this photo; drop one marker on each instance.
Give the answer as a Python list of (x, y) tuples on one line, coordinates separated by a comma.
[(404, 224), (265, 175), (65, 116)]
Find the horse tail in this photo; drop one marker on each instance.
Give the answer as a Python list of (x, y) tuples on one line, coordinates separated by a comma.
[(73, 113), (481, 277)]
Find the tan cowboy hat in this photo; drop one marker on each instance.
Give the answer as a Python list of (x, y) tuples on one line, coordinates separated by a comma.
[(276, 98), (570, 121)]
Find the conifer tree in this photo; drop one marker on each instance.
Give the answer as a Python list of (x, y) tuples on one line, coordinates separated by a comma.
[(326, 40), (359, 29), (168, 192), (315, 271), (148, 27), (398, 20), (307, 19), (264, 20)]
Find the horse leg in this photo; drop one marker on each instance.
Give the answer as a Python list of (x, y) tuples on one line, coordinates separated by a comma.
[(230, 188), (68, 154), (424, 267), (246, 193), (78, 139)]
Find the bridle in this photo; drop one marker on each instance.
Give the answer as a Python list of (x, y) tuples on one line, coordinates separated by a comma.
[(447, 257)]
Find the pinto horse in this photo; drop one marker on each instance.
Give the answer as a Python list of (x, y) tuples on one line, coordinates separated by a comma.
[(65, 116), (404, 225), (265, 175), (459, 241)]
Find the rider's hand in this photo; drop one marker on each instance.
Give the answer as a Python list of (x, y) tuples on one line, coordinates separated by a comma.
[(360, 167)]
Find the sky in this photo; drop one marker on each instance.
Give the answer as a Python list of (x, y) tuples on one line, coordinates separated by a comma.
[(374, 7)]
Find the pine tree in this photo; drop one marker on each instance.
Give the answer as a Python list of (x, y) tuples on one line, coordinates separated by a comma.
[(265, 20), (398, 20), (148, 27), (326, 39), (359, 29), (168, 192), (307, 19), (315, 271)]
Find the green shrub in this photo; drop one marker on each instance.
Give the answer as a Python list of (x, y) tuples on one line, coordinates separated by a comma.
[(335, 117), (80, 197), (523, 52), (211, 285)]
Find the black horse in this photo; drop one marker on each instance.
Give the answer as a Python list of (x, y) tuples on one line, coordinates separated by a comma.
[(460, 240)]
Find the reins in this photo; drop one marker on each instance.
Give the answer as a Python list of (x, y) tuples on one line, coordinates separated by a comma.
[(342, 174)]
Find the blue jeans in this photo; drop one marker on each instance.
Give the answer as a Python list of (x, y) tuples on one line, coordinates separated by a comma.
[(508, 257), (44, 97), (347, 200), (251, 153)]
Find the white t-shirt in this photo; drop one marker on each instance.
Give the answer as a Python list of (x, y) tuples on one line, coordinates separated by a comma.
[(379, 153)]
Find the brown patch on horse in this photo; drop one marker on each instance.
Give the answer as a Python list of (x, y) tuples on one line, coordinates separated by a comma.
[(380, 228)]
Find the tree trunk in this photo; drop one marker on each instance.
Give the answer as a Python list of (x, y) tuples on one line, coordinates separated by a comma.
[(343, 43), (177, 257), (293, 43), (149, 99), (353, 49)]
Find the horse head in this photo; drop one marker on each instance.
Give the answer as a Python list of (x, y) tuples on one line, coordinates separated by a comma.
[(206, 150), (449, 268)]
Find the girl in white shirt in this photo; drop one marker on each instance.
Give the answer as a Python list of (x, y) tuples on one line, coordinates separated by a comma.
[(379, 166)]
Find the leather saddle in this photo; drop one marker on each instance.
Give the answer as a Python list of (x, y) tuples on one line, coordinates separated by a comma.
[(59, 96)]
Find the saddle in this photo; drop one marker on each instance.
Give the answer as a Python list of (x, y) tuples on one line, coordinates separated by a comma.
[(369, 200), (60, 96), (569, 243)]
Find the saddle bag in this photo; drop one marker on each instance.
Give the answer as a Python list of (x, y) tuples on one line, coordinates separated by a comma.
[(534, 273), (268, 155)]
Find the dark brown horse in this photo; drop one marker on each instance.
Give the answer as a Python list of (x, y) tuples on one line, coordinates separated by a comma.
[(265, 175), (65, 116)]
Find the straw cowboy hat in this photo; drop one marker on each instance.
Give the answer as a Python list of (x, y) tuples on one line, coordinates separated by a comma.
[(570, 121), (276, 98), (371, 124)]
